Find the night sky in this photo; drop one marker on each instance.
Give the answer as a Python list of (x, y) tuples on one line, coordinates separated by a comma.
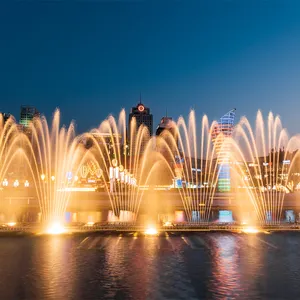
[(92, 58)]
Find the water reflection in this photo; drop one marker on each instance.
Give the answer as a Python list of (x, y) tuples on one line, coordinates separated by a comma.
[(225, 281), (55, 265), (206, 266)]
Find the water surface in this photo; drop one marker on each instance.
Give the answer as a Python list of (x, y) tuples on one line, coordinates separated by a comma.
[(174, 266)]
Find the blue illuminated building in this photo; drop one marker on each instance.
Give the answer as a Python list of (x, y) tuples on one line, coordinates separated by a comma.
[(223, 130)]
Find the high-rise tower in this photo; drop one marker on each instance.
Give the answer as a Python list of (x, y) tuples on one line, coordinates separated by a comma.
[(221, 132), (141, 115)]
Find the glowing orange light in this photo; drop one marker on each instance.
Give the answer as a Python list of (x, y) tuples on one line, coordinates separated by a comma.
[(141, 108), (55, 228), (151, 231), (250, 230)]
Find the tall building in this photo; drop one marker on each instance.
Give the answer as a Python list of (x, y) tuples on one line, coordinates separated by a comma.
[(27, 114), (142, 116), (221, 131)]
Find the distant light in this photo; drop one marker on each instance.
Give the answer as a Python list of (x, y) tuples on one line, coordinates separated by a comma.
[(90, 223), (141, 108), (168, 223), (16, 183), (11, 224), (55, 228), (250, 230), (52, 177), (26, 183), (151, 231)]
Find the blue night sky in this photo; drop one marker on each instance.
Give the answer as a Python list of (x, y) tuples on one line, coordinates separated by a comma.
[(92, 58)]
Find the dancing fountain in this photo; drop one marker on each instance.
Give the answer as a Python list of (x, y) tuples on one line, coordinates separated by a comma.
[(182, 175), (262, 160), (54, 156), (192, 161), (126, 165)]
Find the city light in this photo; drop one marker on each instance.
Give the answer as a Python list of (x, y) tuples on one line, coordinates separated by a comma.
[(251, 230), (43, 176), (5, 182), (151, 230), (90, 224), (16, 183), (56, 228), (26, 183), (11, 224)]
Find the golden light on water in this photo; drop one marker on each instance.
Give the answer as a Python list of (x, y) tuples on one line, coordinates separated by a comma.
[(151, 230), (250, 230), (56, 228)]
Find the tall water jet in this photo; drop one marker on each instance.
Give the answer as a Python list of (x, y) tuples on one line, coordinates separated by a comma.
[(126, 165), (192, 161), (9, 144), (54, 156), (263, 157)]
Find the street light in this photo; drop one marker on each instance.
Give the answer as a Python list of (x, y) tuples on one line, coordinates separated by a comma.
[(43, 176), (16, 183), (5, 182)]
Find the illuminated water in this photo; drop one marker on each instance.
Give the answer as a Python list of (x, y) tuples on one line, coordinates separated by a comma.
[(192, 266)]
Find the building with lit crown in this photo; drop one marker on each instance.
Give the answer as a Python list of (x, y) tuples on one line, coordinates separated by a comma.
[(142, 116)]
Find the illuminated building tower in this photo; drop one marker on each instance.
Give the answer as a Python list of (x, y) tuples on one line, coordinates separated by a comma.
[(142, 116), (27, 115), (221, 131)]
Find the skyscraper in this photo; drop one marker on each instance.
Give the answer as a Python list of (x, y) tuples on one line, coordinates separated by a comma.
[(221, 132), (142, 116), (27, 114)]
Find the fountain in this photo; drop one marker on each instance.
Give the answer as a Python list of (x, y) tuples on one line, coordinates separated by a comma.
[(192, 160), (178, 176), (54, 156), (126, 165), (262, 158), (9, 145)]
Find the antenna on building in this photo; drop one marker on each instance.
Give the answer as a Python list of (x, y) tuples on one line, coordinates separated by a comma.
[(166, 112), (140, 98)]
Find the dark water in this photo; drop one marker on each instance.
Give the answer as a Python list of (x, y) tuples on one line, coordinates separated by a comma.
[(189, 266)]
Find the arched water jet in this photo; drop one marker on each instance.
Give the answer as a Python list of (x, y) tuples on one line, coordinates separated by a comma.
[(193, 161), (263, 172), (123, 163), (54, 156)]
